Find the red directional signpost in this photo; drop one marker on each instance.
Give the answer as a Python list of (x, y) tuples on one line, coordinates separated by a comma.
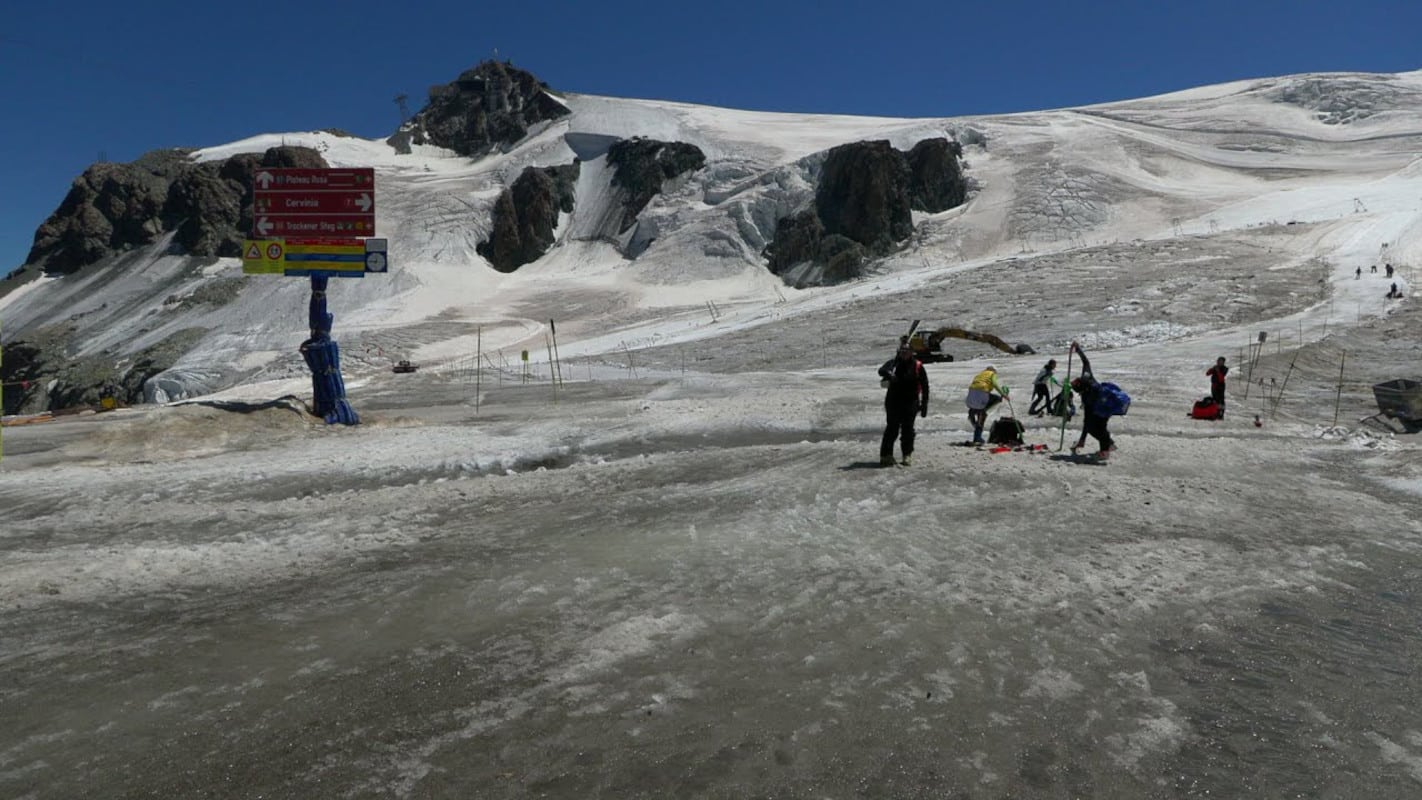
[(294, 201), (317, 222)]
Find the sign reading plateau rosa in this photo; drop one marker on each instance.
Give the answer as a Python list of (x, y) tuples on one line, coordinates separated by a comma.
[(313, 202)]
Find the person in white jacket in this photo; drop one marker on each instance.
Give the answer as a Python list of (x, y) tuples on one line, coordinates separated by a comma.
[(1041, 389)]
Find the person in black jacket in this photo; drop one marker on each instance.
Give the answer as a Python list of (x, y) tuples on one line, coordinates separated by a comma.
[(907, 395), (1094, 423)]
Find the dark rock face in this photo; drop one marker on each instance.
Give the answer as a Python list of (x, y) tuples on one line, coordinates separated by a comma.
[(46, 379), (643, 165), (492, 105), (109, 208), (863, 194), (207, 211), (936, 180), (116, 207), (526, 214), (863, 208), (20, 371), (802, 238), (843, 259), (797, 239)]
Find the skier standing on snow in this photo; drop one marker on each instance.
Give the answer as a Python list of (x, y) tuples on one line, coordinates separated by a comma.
[(981, 397), (1217, 382), (1094, 423), (907, 395), (1040, 391)]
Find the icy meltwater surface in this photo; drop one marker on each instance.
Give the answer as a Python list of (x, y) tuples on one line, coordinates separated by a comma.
[(749, 612)]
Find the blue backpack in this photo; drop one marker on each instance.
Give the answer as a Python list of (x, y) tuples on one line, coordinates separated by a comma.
[(1112, 400)]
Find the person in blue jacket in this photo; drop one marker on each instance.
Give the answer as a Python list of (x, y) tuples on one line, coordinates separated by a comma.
[(1094, 423)]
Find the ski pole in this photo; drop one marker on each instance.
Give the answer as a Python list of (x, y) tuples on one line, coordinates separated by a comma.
[(1065, 399)]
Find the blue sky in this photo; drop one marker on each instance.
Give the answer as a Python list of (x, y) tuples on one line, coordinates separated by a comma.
[(83, 79)]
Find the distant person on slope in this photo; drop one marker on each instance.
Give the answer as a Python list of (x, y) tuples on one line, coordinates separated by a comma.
[(1041, 393), (1217, 375), (1094, 423), (983, 393), (907, 395)]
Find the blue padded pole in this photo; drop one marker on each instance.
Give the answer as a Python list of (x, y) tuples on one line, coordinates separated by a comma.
[(323, 357)]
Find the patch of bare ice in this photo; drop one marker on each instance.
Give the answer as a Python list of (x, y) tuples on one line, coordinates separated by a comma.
[(1136, 334)]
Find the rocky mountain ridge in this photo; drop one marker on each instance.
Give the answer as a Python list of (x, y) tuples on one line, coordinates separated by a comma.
[(133, 281), (203, 210)]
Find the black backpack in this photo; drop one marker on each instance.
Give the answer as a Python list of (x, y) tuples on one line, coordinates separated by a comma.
[(1005, 430)]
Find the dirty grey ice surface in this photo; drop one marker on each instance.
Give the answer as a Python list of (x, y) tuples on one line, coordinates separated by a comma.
[(702, 585)]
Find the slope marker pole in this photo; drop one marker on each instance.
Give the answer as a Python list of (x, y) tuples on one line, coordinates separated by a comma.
[(1337, 401), (1065, 397)]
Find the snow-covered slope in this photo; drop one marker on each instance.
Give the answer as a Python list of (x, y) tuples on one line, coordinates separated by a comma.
[(1335, 151), (682, 571)]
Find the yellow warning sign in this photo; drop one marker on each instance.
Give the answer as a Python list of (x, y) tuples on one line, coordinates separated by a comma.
[(263, 256)]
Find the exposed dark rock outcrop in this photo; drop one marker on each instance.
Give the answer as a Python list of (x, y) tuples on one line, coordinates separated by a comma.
[(40, 376), (110, 208), (863, 208), (863, 194), (641, 166), (206, 209), (802, 240), (21, 371), (797, 239), (490, 106), (116, 207), (526, 214), (210, 206), (936, 177)]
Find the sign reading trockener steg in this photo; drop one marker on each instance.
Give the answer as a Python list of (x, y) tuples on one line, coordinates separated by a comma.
[(305, 202)]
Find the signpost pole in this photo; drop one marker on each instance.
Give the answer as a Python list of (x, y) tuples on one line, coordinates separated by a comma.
[(323, 356)]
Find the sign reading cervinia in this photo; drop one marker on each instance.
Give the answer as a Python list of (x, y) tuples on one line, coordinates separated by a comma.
[(306, 222), (316, 223)]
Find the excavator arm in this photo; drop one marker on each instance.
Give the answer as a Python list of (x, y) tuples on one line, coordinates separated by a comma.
[(929, 346)]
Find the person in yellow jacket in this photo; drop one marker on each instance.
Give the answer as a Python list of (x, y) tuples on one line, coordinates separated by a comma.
[(984, 392)]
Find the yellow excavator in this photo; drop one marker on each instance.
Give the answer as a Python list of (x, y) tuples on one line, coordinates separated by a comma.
[(928, 345)]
